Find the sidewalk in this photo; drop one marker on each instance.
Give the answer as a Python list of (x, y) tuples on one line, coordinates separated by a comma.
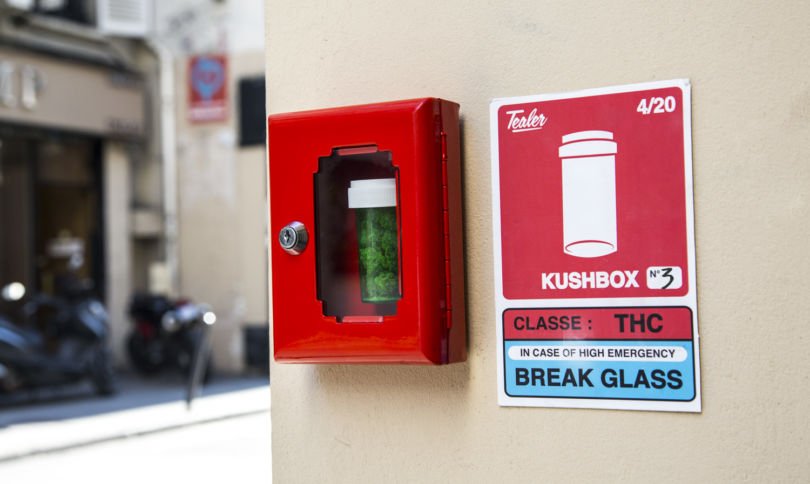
[(75, 417)]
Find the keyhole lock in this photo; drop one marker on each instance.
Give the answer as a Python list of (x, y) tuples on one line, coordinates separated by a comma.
[(293, 238)]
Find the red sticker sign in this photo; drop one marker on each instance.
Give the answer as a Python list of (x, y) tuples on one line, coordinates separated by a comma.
[(208, 88), (593, 238), (592, 196)]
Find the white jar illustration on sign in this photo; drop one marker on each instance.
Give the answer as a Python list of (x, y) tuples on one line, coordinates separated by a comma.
[(589, 193)]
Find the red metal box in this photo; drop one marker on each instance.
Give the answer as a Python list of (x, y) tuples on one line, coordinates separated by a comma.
[(366, 234)]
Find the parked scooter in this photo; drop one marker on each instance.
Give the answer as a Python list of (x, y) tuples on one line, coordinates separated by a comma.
[(169, 334), (70, 346)]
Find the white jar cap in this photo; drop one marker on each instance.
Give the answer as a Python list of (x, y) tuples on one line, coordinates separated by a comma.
[(377, 192), (587, 143)]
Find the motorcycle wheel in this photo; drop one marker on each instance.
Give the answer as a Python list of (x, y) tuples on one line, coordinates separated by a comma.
[(8, 380), (142, 360), (102, 373)]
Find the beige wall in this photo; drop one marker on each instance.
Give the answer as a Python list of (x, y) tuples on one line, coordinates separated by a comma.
[(221, 194), (747, 63), (118, 249)]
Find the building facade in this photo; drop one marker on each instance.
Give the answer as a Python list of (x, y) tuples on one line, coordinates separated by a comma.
[(75, 136), (99, 155)]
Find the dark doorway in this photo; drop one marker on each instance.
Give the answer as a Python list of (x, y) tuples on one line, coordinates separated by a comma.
[(50, 208)]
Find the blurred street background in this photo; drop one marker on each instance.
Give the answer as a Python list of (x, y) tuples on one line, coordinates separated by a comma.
[(146, 430), (133, 246)]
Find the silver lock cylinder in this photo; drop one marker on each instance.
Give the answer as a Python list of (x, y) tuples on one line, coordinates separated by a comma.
[(293, 238)]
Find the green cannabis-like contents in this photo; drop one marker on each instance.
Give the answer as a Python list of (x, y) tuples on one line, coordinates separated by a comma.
[(379, 261)]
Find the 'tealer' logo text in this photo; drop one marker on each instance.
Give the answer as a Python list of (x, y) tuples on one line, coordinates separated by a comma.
[(530, 122), (589, 280)]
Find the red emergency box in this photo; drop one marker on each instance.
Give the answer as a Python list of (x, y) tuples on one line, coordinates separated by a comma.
[(366, 234)]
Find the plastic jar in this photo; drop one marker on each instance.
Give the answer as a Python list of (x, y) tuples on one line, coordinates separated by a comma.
[(374, 203)]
